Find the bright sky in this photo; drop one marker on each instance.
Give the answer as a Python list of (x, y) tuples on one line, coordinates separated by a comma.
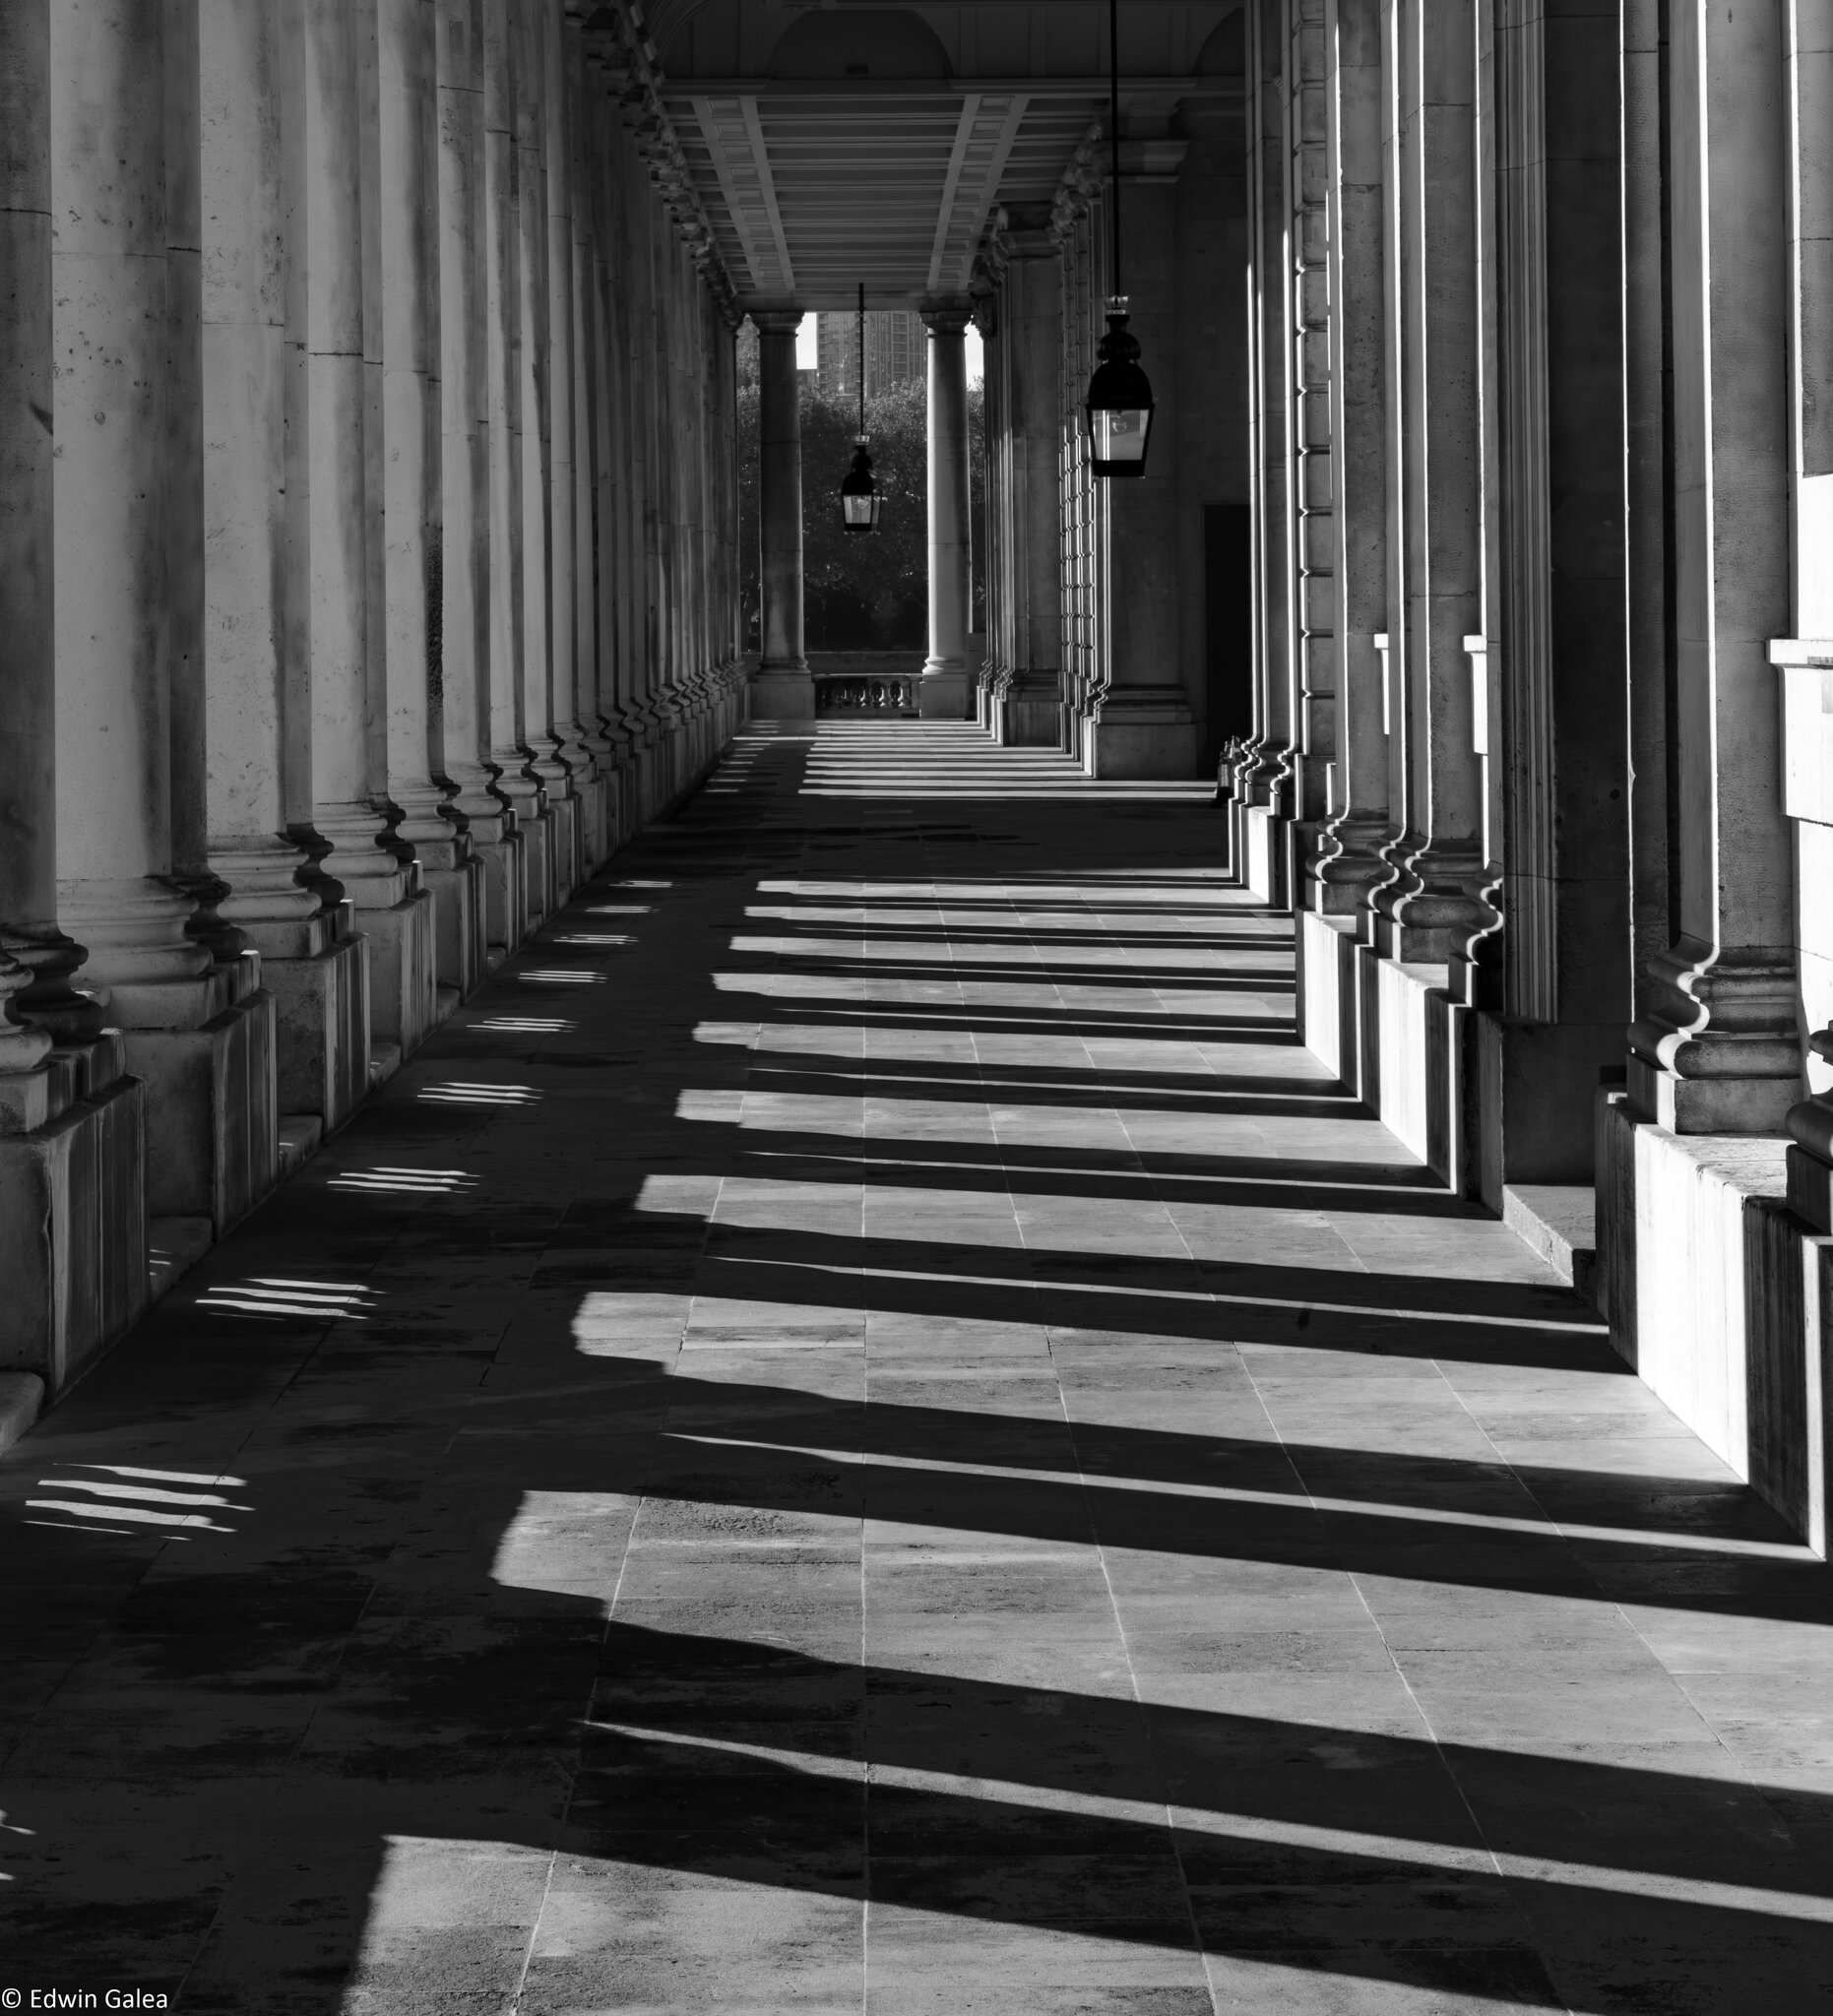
[(807, 357)]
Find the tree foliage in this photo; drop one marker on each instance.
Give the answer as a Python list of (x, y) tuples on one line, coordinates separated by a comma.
[(859, 592)]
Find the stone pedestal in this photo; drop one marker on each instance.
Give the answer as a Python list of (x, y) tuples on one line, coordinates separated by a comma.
[(460, 895), (213, 1146), (73, 1234), (505, 894), (1141, 731), (321, 998), (402, 971)]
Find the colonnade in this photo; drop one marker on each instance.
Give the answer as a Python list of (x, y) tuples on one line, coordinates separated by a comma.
[(784, 688), (1096, 631), (1542, 457), (368, 520)]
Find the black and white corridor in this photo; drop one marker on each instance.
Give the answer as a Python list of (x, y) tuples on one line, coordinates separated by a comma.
[(863, 1427)]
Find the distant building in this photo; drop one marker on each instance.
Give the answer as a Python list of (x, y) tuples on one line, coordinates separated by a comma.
[(894, 353)]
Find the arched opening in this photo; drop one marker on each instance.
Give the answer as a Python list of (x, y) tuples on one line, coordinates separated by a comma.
[(892, 43)]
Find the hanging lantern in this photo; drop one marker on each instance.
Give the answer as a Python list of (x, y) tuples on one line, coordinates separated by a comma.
[(859, 500), (1119, 402)]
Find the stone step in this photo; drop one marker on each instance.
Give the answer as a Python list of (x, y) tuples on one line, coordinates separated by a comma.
[(1558, 1219)]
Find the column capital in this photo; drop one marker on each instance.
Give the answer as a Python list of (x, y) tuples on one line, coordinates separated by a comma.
[(777, 321), (947, 314)]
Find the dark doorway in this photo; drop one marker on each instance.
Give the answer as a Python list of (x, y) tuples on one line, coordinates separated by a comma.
[(1227, 619)]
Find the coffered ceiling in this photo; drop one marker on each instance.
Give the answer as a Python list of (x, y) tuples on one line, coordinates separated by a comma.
[(855, 142)]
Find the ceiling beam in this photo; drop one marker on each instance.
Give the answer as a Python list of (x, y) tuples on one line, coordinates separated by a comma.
[(767, 187), (983, 141), (740, 205)]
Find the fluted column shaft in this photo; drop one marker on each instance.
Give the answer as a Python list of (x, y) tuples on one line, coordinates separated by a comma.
[(1349, 861), (1433, 910)]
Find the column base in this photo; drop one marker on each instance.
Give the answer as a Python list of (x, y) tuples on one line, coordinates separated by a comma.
[(73, 1234), (212, 1142), (1026, 711), (943, 693), (1139, 733), (321, 1004), (785, 695), (1710, 1106)]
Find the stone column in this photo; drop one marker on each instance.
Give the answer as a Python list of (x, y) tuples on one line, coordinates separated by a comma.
[(29, 931), (1432, 910), (512, 781), (549, 858), (582, 173), (1347, 861), (55, 1164), (1312, 472), (1262, 783), (1715, 1052), (464, 587), (434, 935), (109, 267), (783, 689), (1029, 699), (564, 414), (1143, 725), (329, 488), (1805, 661), (1559, 751), (943, 695)]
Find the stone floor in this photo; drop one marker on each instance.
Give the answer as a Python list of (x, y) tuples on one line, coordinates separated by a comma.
[(864, 1430)]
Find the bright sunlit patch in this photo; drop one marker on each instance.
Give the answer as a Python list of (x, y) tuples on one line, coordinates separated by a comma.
[(93, 1504), (459, 1092), (404, 1183), (271, 1295)]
